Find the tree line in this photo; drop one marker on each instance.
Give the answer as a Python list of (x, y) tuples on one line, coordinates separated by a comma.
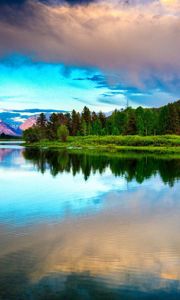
[(129, 121)]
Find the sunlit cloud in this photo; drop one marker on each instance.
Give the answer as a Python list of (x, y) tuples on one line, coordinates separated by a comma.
[(137, 39), (133, 45)]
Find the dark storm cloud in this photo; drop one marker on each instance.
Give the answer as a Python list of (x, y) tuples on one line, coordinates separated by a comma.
[(18, 12), (17, 3), (12, 2)]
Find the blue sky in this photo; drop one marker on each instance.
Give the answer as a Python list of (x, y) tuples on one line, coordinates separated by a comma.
[(64, 55), (26, 84)]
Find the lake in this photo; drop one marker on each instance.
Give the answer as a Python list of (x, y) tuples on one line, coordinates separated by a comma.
[(79, 225)]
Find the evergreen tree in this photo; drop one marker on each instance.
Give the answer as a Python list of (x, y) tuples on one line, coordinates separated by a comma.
[(102, 119), (96, 127), (163, 117), (83, 127), (173, 124), (140, 121), (53, 124), (86, 115), (75, 122), (41, 121), (86, 121), (131, 128), (148, 121), (93, 116), (41, 124)]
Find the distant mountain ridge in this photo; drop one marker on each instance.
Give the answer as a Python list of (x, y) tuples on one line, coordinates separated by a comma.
[(20, 120), (15, 130), (28, 123), (7, 130)]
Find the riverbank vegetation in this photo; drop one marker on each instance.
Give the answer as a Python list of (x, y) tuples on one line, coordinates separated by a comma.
[(158, 144), (141, 127)]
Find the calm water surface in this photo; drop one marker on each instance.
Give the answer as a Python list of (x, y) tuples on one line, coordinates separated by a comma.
[(81, 226)]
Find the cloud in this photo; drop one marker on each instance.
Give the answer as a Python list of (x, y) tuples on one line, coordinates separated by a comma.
[(99, 79), (139, 44), (18, 3), (117, 98), (37, 110)]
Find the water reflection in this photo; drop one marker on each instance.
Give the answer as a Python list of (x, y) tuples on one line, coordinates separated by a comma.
[(102, 227), (132, 166)]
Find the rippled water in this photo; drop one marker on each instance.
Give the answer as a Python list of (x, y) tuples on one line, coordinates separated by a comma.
[(88, 226)]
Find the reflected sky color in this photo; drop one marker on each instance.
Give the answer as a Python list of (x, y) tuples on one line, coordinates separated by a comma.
[(72, 235), (43, 197)]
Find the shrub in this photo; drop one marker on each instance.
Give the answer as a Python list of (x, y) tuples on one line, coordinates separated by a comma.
[(63, 133), (31, 135)]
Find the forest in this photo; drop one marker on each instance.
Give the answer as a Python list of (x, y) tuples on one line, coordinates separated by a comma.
[(140, 121)]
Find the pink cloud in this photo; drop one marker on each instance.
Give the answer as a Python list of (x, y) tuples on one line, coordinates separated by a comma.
[(136, 41)]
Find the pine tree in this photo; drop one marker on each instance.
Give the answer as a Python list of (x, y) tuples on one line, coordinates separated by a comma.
[(41, 121), (86, 115), (96, 127), (148, 121), (53, 124), (163, 117), (102, 119), (75, 122), (41, 124), (140, 120), (83, 128), (131, 127), (173, 120)]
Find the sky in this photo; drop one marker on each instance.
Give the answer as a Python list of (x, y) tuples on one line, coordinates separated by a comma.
[(63, 55)]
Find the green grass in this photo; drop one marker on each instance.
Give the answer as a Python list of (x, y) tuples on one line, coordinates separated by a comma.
[(158, 144)]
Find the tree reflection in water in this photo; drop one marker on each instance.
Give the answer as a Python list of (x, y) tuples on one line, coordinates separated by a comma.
[(131, 166)]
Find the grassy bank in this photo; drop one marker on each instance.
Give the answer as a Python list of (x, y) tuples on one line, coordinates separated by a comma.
[(158, 144)]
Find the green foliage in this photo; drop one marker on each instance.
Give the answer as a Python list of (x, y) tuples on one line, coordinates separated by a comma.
[(131, 126), (41, 124), (32, 135), (140, 121), (96, 127), (167, 144), (83, 127), (86, 115), (129, 140), (63, 133), (75, 123)]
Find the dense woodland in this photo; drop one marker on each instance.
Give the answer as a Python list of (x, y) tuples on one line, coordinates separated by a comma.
[(129, 121)]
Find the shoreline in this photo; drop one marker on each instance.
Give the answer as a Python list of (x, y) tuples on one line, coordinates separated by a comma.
[(114, 144)]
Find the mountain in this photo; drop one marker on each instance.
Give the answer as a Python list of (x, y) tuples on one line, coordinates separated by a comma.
[(108, 114), (5, 129), (28, 123), (20, 120)]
